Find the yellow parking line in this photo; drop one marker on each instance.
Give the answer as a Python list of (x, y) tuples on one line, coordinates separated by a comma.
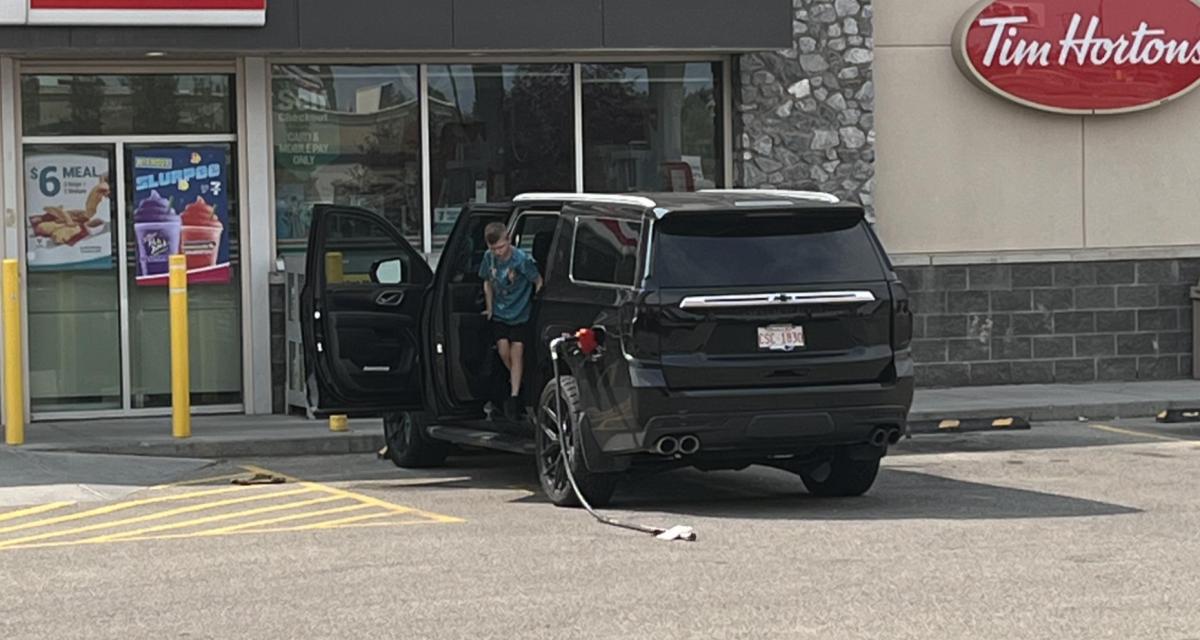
[(120, 506), (217, 518), (270, 521), (33, 511), (184, 536), (358, 496), (151, 516), (333, 524), (1142, 434)]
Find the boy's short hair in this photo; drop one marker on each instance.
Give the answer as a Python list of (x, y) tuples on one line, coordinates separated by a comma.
[(494, 232)]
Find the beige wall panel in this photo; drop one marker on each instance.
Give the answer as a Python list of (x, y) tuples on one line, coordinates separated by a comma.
[(1143, 176), (917, 22), (960, 170)]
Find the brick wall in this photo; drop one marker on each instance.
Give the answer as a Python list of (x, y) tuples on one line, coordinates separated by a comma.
[(1042, 323)]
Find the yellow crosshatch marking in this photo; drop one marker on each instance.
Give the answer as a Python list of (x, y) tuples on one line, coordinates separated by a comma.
[(296, 505)]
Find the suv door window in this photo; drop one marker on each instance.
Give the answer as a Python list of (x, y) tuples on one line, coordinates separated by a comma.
[(355, 244), (605, 251)]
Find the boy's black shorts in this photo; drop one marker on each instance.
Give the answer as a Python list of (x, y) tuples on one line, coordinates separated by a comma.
[(522, 333)]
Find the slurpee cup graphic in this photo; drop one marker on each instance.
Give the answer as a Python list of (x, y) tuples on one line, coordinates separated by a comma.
[(157, 228), (201, 236)]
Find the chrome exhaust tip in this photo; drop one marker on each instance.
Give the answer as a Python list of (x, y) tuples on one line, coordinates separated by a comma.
[(666, 446), (893, 436), (689, 445), (879, 437)]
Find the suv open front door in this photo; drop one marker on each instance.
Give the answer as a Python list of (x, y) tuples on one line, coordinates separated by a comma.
[(361, 309)]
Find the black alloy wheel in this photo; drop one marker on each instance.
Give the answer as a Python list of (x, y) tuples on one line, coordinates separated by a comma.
[(842, 476), (553, 453), (408, 446)]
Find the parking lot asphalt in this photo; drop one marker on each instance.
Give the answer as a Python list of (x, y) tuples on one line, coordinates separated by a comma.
[(1068, 530)]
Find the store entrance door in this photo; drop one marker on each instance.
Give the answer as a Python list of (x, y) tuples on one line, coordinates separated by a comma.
[(104, 218)]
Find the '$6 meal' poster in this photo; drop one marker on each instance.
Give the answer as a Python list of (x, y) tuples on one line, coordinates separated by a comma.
[(70, 211), (181, 205)]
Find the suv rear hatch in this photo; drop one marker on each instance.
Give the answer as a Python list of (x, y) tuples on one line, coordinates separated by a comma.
[(774, 298)]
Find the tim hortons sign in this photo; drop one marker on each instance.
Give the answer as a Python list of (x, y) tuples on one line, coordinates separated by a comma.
[(1082, 56)]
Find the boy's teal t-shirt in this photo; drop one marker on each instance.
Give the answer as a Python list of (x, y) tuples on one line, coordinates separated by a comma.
[(512, 285)]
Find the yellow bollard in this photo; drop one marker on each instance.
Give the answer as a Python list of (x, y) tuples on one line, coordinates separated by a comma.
[(335, 268), (181, 402), (339, 423), (14, 384)]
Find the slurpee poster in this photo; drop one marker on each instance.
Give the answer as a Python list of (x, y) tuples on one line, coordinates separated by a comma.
[(181, 205)]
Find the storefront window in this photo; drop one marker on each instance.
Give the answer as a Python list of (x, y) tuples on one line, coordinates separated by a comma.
[(346, 134), (495, 131), (652, 127), (134, 104)]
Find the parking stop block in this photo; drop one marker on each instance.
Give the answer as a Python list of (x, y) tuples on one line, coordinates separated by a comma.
[(954, 425), (1191, 414)]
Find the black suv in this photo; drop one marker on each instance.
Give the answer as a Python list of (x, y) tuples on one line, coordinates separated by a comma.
[(740, 327)]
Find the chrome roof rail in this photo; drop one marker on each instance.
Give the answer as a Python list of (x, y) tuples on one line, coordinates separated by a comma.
[(596, 198), (819, 196)]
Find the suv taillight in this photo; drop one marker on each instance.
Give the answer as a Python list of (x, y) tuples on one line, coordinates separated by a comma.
[(902, 317)]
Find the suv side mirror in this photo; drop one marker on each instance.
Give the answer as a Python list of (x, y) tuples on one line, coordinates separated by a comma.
[(388, 271)]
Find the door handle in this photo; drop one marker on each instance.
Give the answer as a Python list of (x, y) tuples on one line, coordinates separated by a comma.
[(389, 298)]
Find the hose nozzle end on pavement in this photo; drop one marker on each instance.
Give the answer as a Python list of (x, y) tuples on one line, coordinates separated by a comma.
[(678, 532)]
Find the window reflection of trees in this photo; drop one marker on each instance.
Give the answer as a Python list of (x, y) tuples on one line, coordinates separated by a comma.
[(496, 131), (652, 127), (135, 104), (364, 123)]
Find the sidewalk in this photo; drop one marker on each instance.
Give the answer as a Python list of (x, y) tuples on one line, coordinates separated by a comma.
[(262, 436), (229, 436), (1047, 402)]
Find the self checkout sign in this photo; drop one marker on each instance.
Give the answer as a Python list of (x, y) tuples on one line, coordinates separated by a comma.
[(1082, 56)]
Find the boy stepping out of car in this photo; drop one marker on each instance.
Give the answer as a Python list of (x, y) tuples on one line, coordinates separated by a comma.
[(510, 279)]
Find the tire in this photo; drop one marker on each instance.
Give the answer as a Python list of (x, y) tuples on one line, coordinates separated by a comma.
[(847, 477), (597, 488), (408, 446)]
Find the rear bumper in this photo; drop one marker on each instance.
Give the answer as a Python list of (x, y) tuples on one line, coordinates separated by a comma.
[(755, 422)]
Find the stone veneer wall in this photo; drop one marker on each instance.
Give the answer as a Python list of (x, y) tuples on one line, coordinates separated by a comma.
[(1043, 323), (804, 117)]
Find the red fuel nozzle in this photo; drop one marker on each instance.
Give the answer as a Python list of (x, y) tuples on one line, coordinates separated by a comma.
[(587, 341)]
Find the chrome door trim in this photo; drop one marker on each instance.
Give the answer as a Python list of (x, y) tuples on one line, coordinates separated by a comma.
[(776, 299)]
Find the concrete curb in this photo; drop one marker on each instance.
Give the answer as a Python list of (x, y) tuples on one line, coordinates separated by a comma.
[(354, 443)]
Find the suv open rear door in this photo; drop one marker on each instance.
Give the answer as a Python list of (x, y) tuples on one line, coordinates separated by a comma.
[(361, 307)]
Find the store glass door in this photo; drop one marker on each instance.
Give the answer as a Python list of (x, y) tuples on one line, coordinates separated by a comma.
[(73, 278), (121, 171), (182, 198)]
